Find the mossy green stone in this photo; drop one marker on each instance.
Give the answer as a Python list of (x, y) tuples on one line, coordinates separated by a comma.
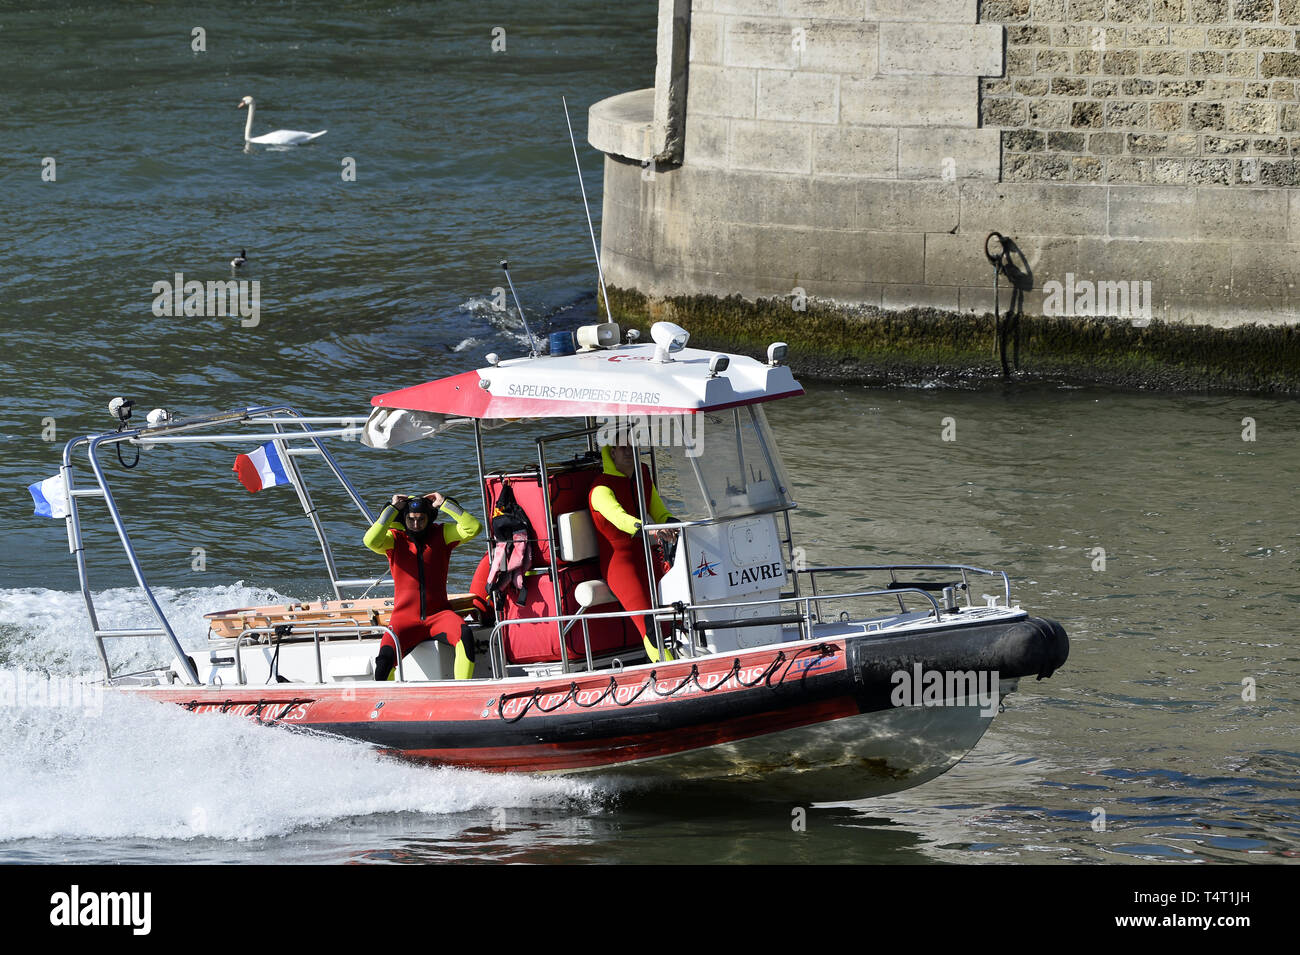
[(873, 345)]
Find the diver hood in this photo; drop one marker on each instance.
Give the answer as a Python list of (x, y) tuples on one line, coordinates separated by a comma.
[(419, 505)]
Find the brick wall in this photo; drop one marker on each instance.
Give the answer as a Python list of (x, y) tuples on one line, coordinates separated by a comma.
[(867, 89), (1147, 91), (862, 150)]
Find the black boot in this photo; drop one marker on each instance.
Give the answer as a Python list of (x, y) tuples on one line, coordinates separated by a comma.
[(385, 662)]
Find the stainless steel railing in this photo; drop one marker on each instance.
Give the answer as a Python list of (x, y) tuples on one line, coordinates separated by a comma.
[(896, 585), (804, 621), (359, 631), (278, 416)]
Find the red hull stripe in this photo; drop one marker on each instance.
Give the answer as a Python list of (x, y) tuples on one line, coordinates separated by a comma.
[(689, 707), (549, 725)]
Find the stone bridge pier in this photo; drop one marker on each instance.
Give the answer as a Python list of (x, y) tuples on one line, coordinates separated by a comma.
[(834, 168)]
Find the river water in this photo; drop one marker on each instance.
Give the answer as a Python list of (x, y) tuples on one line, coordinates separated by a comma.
[(1160, 529)]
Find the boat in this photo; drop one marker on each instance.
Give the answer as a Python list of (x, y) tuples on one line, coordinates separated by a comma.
[(824, 682)]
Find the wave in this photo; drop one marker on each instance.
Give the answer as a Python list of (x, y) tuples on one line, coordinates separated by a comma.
[(142, 769), (48, 630)]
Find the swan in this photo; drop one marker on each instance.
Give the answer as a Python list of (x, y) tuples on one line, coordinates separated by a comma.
[(240, 259), (281, 137)]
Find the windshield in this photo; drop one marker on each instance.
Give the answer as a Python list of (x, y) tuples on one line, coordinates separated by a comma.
[(720, 464)]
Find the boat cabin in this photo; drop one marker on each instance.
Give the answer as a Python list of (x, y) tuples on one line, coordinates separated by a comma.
[(725, 580), (694, 420)]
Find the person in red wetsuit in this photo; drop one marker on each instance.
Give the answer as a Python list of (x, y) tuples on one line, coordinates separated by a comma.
[(418, 550), (613, 501)]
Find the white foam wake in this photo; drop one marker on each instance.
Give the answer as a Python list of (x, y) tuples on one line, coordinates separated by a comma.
[(141, 769), (103, 764), (49, 630)]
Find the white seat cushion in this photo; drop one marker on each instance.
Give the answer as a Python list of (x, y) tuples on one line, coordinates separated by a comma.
[(577, 536), (593, 593)]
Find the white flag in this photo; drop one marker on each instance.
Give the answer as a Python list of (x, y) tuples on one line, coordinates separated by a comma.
[(50, 496)]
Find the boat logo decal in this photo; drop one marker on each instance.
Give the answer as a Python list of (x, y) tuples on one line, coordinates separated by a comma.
[(705, 568), (816, 663), (750, 575), (263, 711)]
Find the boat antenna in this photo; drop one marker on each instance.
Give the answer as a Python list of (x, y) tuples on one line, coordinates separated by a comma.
[(532, 343), (590, 228)]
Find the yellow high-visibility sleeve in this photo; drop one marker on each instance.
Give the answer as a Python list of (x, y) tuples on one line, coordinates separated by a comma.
[(606, 504), (377, 538), (466, 526), (604, 501)]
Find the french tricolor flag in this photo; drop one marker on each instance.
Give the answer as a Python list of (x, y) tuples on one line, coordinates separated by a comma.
[(261, 469), (50, 497)]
